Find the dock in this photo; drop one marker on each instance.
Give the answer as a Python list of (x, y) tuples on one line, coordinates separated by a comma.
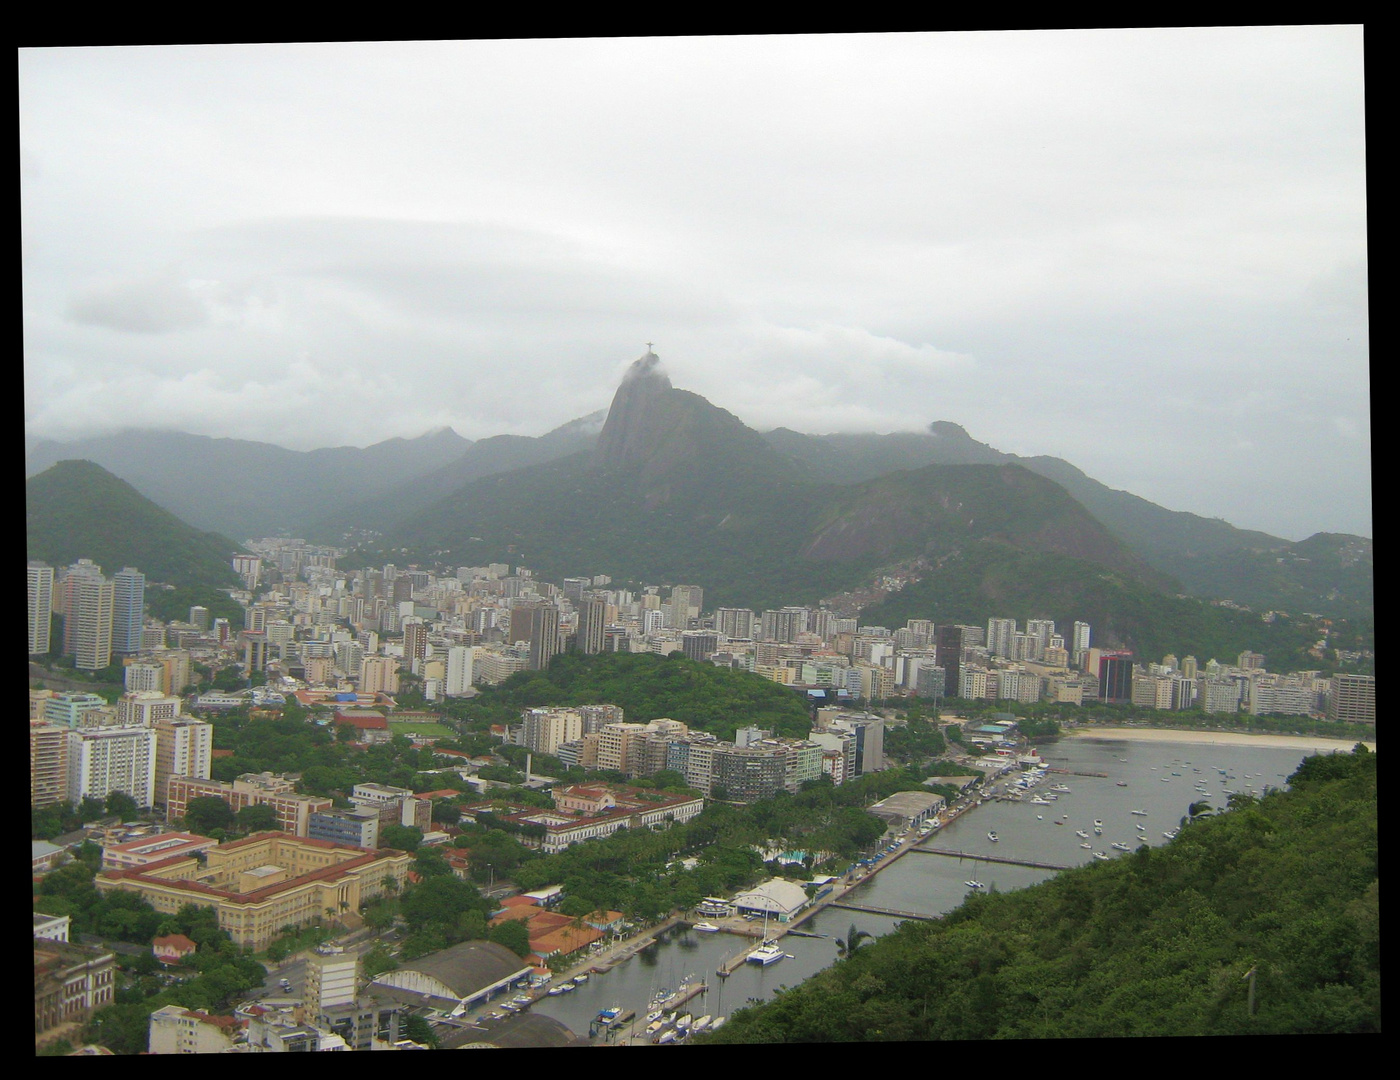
[(989, 858), (894, 913)]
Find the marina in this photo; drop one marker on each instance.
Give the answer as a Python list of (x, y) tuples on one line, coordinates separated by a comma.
[(894, 888)]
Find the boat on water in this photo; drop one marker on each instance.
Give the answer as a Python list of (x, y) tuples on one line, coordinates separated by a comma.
[(1098, 824), (1166, 779), (1101, 855), (522, 999), (1170, 834), (974, 884), (654, 1027), (992, 837), (1062, 788), (1038, 801), (580, 979), (719, 1023), (1086, 846), (706, 928), (683, 1022), (555, 991), (1140, 813), (1081, 834), (1119, 847), (667, 1036), (769, 953), (701, 1024), (1122, 783), (654, 1015)]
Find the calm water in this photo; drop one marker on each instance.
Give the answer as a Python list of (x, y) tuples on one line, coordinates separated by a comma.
[(934, 884)]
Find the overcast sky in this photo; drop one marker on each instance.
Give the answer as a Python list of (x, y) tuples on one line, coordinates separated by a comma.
[(1142, 251)]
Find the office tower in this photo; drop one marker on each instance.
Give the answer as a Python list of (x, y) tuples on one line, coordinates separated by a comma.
[(90, 601), (107, 759), (699, 644), (1116, 677), (950, 647), (184, 747), (1079, 640), (1001, 634), (348, 657), (48, 764), (40, 607), (459, 670), (537, 625), (574, 587), (254, 651), (199, 618), (592, 624), (255, 618), (128, 604)]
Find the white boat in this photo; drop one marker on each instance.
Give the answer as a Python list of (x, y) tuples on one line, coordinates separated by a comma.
[(581, 978), (566, 988), (1170, 834), (1081, 834), (683, 1022), (1140, 813), (654, 1016), (992, 837), (769, 953), (701, 1024), (654, 1027), (667, 1036), (1101, 855), (555, 991), (706, 928), (974, 884), (1063, 788), (1098, 830), (1086, 846), (1120, 847), (719, 1023)]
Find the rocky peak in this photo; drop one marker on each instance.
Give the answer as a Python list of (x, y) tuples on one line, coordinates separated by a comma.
[(637, 417)]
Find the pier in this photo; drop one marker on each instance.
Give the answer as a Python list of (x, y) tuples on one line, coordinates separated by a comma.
[(987, 858), (1076, 772), (871, 909)]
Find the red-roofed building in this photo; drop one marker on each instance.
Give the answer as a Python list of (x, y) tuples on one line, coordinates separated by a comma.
[(173, 948), (445, 793), (370, 726), (177, 1030)]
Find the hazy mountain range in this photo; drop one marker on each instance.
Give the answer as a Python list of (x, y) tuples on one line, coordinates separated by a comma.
[(670, 488)]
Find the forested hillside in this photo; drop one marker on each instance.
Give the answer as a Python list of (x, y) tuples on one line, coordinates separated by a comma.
[(1157, 943)]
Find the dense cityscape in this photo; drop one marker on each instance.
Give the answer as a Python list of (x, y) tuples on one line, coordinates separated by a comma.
[(394, 658)]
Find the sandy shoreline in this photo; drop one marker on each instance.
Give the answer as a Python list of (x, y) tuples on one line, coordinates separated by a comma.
[(1219, 738)]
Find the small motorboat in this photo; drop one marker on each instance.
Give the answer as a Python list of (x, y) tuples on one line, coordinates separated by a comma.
[(992, 836), (974, 884)]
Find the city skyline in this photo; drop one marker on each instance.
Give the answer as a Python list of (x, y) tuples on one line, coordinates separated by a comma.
[(1143, 251)]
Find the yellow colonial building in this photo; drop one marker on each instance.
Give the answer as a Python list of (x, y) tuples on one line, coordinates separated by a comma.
[(265, 882)]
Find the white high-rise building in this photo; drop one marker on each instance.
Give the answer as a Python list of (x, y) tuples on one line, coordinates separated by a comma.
[(146, 707), (1001, 635), (106, 759), (184, 747), (459, 670), (40, 607), (1079, 642)]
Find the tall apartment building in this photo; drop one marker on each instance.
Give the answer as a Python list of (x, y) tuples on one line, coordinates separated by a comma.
[(1116, 677), (1001, 634), (90, 605), (184, 747), (144, 676), (330, 981), (783, 625), (458, 679), (686, 603), (69, 707), (699, 644), (748, 774), (40, 607), (415, 642), (618, 747), (128, 607), (543, 730), (48, 764), (734, 623), (1352, 699), (107, 759), (379, 675)]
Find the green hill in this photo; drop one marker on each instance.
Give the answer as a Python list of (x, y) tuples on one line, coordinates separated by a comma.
[(76, 509), (1157, 943), (649, 687)]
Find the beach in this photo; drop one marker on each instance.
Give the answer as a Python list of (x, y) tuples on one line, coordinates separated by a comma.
[(1218, 738)]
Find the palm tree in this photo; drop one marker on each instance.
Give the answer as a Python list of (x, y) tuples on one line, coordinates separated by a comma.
[(851, 942), (1198, 810)]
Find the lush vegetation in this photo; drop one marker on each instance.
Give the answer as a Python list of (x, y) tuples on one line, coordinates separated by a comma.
[(647, 687), (1157, 943)]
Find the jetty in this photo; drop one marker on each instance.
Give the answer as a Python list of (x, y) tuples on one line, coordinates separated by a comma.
[(894, 913), (1076, 772), (989, 858)]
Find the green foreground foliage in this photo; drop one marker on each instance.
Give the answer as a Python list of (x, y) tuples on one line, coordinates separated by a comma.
[(1157, 943)]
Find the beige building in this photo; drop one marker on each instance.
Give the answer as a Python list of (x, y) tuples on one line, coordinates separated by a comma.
[(184, 747), (379, 675), (48, 764), (251, 789), (177, 1030), (266, 882)]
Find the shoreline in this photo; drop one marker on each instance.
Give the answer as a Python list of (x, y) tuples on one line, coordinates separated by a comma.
[(1220, 738)]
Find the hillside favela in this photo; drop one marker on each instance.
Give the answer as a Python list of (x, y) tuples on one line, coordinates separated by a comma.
[(660, 730)]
